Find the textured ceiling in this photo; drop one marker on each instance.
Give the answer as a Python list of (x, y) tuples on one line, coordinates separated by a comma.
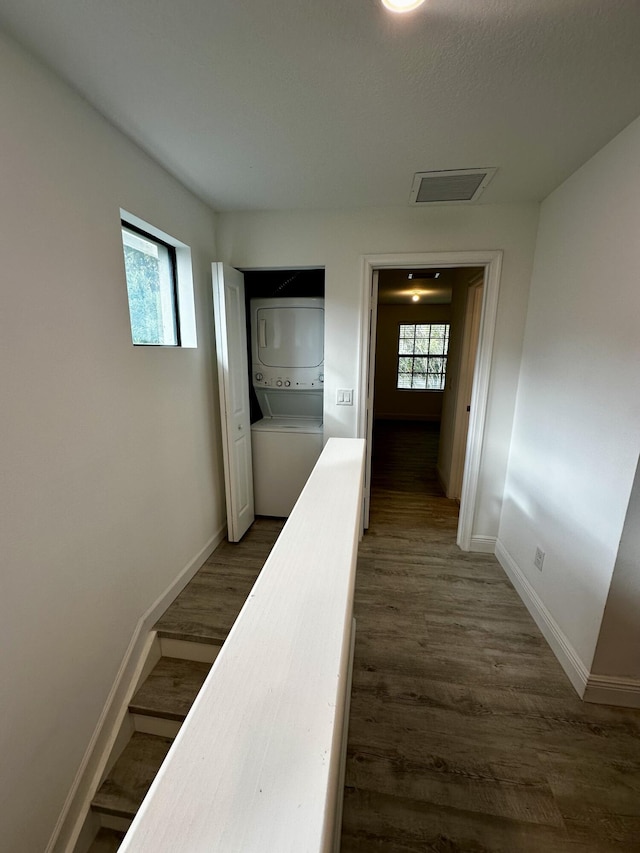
[(261, 105)]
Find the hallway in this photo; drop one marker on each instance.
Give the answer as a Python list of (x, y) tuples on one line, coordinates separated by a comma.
[(465, 735)]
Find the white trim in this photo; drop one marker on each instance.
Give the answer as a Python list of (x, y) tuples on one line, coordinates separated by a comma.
[(492, 263), (483, 544), (479, 399), (569, 659), (76, 806), (613, 690), (372, 331)]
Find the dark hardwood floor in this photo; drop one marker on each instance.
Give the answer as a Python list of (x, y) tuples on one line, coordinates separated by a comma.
[(465, 735)]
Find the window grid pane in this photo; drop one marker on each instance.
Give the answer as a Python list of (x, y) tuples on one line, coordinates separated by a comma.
[(422, 356)]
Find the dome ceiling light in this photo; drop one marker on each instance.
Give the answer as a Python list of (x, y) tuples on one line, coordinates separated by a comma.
[(402, 5)]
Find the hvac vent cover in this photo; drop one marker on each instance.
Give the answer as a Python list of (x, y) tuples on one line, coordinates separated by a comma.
[(459, 185)]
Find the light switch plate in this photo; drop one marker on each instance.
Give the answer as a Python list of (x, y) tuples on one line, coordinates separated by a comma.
[(344, 397)]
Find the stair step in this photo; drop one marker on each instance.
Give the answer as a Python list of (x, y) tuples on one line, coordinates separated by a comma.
[(208, 606), (203, 652), (107, 841), (170, 689), (125, 787)]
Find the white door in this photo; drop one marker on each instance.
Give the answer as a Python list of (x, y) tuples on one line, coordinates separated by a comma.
[(233, 381), (373, 323), (465, 386)]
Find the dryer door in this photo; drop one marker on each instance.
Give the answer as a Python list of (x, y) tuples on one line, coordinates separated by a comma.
[(290, 337)]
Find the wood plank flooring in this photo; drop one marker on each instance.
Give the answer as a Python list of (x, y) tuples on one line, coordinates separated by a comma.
[(208, 606), (465, 735), (126, 786)]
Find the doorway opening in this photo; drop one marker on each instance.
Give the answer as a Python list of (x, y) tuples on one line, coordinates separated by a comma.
[(425, 343), (270, 339), (399, 380)]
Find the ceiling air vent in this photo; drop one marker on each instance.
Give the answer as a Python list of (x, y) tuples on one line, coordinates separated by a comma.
[(454, 185)]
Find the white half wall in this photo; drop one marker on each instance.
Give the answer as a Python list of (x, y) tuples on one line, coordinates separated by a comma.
[(337, 240), (110, 467), (576, 432)]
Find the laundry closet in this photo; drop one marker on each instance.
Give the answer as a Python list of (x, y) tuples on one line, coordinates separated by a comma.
[(285, 339), (269, 328)]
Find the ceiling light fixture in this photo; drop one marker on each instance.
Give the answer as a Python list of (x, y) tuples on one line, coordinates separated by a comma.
[(415, 297), (401, 5)]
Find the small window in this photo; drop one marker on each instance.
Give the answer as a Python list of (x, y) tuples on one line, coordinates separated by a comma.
[(150, 266), (422, 356)]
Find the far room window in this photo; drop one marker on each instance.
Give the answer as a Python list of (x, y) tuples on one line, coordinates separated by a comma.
[(150, 266), (422, 356)]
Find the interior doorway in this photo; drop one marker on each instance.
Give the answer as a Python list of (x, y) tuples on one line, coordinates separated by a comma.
[(425, 342), (472, 269)]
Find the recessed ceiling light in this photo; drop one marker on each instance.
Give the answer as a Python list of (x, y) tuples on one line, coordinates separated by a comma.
[(402, 5)]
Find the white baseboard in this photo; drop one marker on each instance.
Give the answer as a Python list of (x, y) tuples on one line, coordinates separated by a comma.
[(76, 806), (613, 690), (575, 669), (483, 544)]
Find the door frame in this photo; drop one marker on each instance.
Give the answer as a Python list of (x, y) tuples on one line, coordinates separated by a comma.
[(491, 261)]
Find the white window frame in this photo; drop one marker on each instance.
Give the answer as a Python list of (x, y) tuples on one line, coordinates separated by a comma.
[(413, 355)]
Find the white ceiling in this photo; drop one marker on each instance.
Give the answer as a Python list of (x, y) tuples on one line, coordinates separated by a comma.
[(257, 104)]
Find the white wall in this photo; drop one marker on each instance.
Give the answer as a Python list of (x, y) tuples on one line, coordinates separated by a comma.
[(337, 240), (109, 457), (577, 426)]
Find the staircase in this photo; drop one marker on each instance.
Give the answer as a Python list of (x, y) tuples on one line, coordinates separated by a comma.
[(189, 637), (155, 714)]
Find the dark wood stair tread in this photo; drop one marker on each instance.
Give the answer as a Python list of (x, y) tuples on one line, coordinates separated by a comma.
[(170, 689), (107, 841), (125, 787), (208, 606)]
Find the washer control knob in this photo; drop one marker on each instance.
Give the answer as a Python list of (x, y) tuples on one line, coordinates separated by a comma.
[(287, 383), (321, 377), (279, 383), (259, 377)]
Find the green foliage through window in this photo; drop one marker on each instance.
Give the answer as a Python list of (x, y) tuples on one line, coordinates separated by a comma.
[(150, 271), (422, 356)]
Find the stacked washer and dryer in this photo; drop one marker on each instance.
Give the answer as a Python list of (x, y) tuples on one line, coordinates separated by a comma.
[(287, 366)]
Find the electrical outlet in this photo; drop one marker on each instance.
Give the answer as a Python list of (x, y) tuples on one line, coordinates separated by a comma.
[(538, 560)]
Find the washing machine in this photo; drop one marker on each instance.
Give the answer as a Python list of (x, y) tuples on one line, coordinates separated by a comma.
[(287, 357), (285, 451)]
